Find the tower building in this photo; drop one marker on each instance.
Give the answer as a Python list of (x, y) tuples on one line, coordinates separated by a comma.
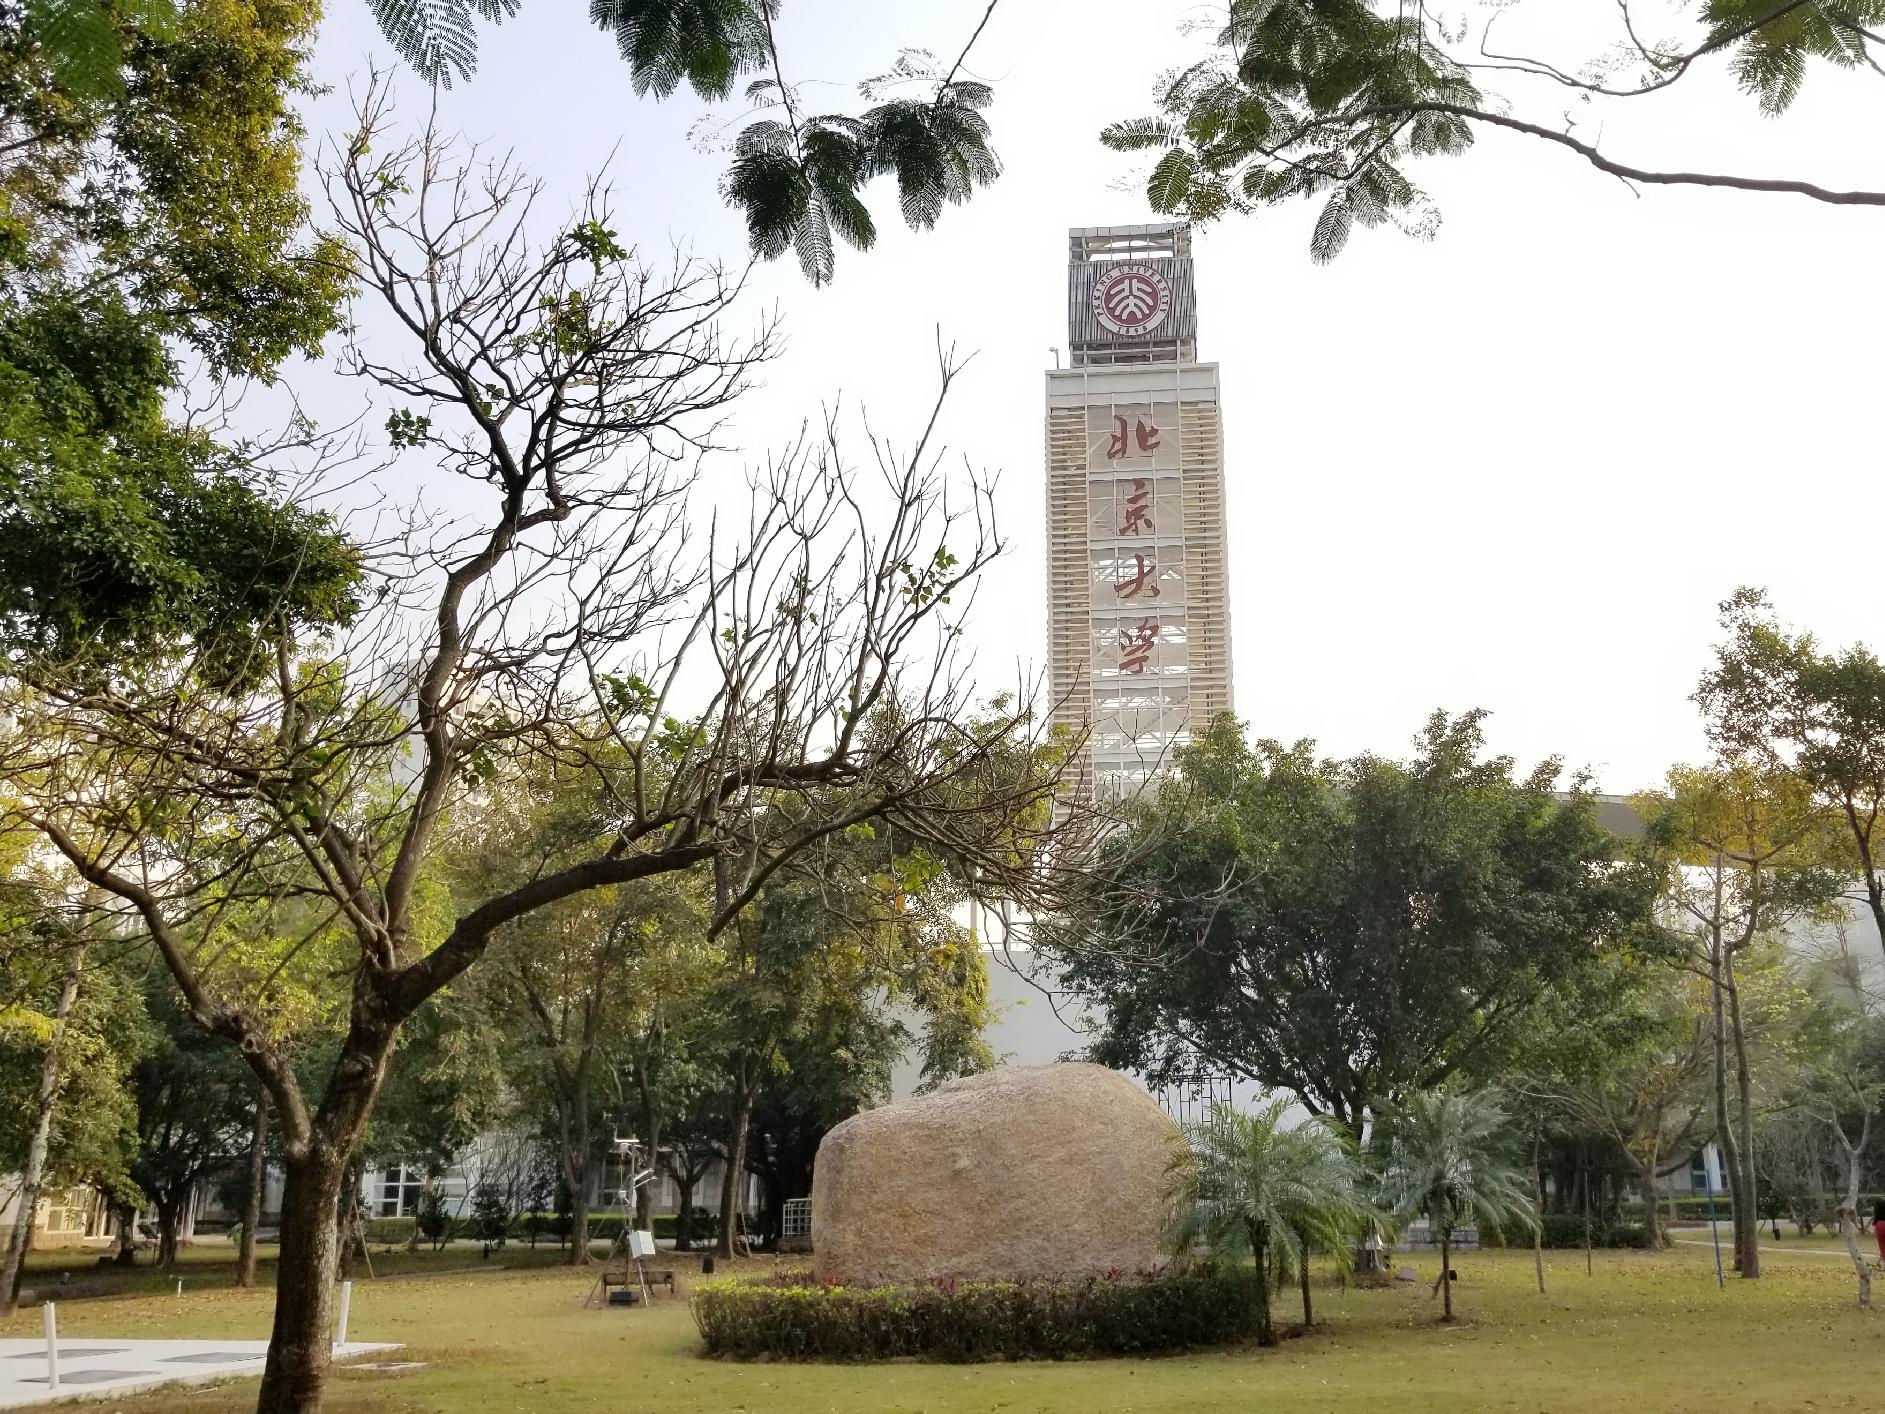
[(1138, 594)]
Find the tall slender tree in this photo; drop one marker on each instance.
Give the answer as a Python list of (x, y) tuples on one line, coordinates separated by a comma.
[(1751, 853)]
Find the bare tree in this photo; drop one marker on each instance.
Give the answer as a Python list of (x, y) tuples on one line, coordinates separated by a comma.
[(576, 606)]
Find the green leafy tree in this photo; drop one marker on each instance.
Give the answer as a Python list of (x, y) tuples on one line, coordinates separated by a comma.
[(434, 1219), (72, 1025), (194, 1108), (1336, 100), (1245, 1184), (1818, 713), (812, 971), (598, 999), (1347, 931), (125, 250), (1451, 1155), (1840, 1089), (1636, 1078)]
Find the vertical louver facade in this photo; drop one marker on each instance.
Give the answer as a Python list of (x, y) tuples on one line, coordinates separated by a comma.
[(1139, 617)]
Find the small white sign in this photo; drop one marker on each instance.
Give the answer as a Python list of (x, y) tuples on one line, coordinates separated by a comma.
[(641, 1244)]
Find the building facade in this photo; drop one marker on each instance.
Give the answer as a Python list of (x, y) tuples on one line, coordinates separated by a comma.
[(1138, 590)]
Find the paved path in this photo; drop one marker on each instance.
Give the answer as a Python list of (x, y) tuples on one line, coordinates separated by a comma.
[(1727, 1245), (98, 1367)]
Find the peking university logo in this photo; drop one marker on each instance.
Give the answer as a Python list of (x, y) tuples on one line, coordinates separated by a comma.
[(1132, 298)]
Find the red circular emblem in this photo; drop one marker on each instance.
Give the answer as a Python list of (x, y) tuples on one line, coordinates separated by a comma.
[(1132, 298)]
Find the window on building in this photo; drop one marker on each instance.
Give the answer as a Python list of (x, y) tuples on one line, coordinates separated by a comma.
[(400, 1187)]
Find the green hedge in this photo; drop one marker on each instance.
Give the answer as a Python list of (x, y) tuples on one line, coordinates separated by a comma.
[(1695, 1210), (1566, 1230), (1112, 1315), (603, 1227)]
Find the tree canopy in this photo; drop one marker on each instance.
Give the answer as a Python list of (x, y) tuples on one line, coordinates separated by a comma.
[(1346, 930), (1780, 697), (149, 224)]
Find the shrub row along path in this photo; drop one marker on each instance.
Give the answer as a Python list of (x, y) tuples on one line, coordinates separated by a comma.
[(1645, 1332)]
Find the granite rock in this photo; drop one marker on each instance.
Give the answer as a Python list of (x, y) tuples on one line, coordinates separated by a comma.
[(1023, 1172)]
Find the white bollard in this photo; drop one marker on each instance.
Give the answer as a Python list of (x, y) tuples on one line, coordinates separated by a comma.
[(179, 1286), (346, 1300), (52, 1346)]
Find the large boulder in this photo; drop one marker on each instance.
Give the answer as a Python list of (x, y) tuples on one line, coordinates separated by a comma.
[(1049, 1171)]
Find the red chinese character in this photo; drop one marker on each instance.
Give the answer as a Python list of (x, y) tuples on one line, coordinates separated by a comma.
[(1138, 508), (1117, 447), (1142, 582), (1136, 644), (1148, 436)]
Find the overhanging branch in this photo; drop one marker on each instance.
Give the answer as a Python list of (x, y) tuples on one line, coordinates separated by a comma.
[(1619, 169)]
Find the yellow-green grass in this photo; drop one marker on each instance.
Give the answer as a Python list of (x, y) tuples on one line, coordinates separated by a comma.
[(211, 1264), (1643, 1333)]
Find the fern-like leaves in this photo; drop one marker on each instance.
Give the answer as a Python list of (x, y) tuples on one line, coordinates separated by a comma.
[(800, 186), (84, 40), (706, 44)]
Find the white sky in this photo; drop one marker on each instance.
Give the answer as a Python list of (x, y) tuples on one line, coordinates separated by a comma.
[(1515, 468)]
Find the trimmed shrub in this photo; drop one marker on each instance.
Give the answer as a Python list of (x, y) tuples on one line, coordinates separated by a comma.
[(387, 1232), (973, 1321), (1560, 1231), (603, 1227), (1695, 1210)]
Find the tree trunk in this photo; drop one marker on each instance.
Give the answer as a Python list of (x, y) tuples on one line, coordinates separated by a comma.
[(351, 1234), (1850, 1225), (1584, 1181), (1446, 1274), (1260, 1253), (734, 1180), (1652, 1212), (645, 1195), (425, 1202), (1308, 1314), (684, 1218), (258, 1181), (1746, 1198), (1850, 1231), (581, 1180), (127, 1235), (319, 1167), (579, 1167), (300, 1344), (1874, 882), (1538, 1228), (168, 1215), (1724, 1135), (34, 1173)]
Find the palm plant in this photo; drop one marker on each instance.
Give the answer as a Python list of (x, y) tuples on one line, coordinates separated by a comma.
[(1243, 1183), (1451, 1155)]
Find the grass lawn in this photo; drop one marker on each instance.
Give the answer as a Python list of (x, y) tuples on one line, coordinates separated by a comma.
[(1643, 1333)]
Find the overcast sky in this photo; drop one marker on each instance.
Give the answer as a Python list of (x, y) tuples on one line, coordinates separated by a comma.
[(1515, 468)]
